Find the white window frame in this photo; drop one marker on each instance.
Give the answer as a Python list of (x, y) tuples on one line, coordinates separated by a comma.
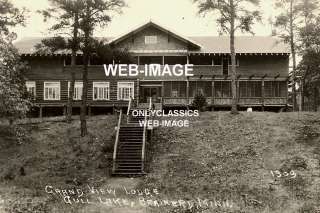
[(120, 90), (77, 84), (58, 96), (31, 84), (103, 84), (151, 39)]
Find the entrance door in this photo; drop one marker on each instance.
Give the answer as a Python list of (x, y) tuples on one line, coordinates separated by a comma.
[(153, 92)]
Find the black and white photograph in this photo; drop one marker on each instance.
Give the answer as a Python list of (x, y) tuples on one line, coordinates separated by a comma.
[(159, 106)]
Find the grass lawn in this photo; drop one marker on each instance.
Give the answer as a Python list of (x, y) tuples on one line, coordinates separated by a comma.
[(54, 155), (224, 157), (219, 158)]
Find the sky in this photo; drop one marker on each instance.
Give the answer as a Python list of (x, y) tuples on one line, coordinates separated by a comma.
[(179, 15)]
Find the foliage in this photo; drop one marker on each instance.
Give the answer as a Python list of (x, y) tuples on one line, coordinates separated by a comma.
[(199, 101), (105, 54), (244, 18), (14, 101), (10, 17), (294, 16)]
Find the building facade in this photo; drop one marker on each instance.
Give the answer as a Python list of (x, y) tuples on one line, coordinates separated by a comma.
[(262, 72)]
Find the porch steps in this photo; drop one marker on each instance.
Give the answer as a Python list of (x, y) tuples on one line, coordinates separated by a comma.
[(129, 151)]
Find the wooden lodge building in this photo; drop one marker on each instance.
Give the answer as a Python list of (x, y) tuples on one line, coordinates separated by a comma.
[(262, 72)]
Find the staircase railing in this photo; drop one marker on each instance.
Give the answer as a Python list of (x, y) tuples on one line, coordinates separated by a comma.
[(129, 108), (116, 142), (145, 135)]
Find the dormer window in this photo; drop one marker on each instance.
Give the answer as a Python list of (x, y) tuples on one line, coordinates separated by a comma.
[(150, 39)]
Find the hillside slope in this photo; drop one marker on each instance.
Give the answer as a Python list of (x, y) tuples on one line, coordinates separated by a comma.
[(236, 158), (53, 155)]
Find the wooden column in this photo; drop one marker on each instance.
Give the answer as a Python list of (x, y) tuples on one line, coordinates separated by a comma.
[(162, 89), (40, 111), (64, 110), (212, 95), (89, 110), (138, 91), (187, 92), (262, 93)]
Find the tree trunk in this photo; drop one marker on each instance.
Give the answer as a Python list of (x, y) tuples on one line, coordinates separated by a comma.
[(234, 109), (83, 113), (294, 63), (73, 63)]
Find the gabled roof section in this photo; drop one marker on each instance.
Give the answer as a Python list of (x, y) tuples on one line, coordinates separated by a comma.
[(159, 27)]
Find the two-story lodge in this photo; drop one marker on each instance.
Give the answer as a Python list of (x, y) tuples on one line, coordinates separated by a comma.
[(262, 72)]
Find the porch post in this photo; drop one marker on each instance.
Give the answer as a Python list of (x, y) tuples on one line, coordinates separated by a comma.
[(162, 89), (89, 110), (187, 92), (64, 110), (40, 111), (138, 90), (262, 93), (213, 91)]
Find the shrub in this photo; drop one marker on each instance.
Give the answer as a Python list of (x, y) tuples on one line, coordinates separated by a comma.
[(199, 102)]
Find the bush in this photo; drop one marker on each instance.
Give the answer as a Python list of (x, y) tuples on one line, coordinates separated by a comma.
[(199, 102)]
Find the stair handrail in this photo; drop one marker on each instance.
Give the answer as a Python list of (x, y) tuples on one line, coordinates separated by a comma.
[(144, 136), (150, 103), (116, 142), (129, 105), (129, 108)]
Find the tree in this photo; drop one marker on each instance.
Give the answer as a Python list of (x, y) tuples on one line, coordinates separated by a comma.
[(309, 67), (14, 101), (233, 15), (10, 16), (66, 13), (309, 10), (294, 14), (95, 13)]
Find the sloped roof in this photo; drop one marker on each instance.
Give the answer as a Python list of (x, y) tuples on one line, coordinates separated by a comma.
[(200, 44), (243, 44)]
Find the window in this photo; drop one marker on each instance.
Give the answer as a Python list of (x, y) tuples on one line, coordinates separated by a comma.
[(200, 87), (275, 89), (174, 93), (31, 88), (150, 39), (175, 89), (250, 89), (77, 95), (125, 90), (222, 89), (101, 91), (51, 90)]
